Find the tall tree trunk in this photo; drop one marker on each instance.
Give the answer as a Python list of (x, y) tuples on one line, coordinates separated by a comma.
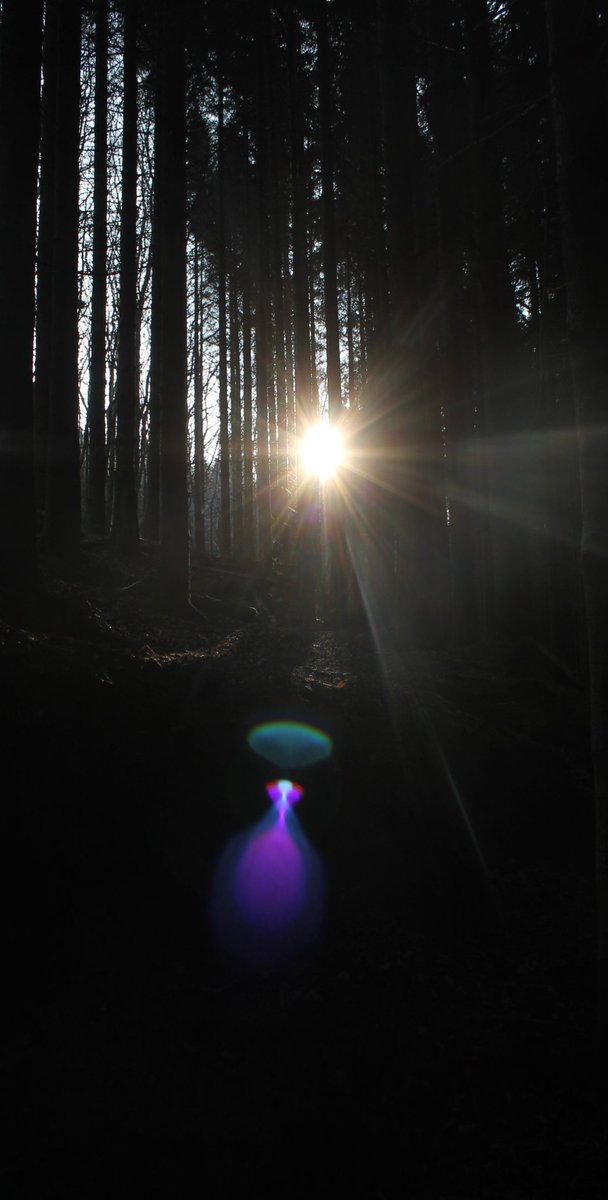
[(225, 518), (263, 342), (63, 479), (174, 557), (581, 135), (96, 484), (20, 60), (303, 390), (450, 378), (330, 258), (46, 227), (500, 352), (377, 500), (288, 332), (151, 517), (279, 222), (236, 437), (125, 529), (248, 512), (350, 339), (198, 488), (334, 514)]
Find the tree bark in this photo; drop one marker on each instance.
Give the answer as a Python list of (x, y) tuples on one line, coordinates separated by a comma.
[(581, 136), (198, 486), (174, 556), (96, 483), (248, 521), (125, 527), (46, 226), (20, 61), (225, 515), (263, 342), (334, 514), (236, 431), (499, 360), (63, 477), (151, 518), (303, 384)]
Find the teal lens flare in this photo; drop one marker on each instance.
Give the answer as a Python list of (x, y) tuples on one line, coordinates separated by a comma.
[(290, 744)]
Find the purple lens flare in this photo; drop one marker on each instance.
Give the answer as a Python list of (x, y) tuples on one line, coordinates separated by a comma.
[(271, 878), (267, 897), (284, 794)]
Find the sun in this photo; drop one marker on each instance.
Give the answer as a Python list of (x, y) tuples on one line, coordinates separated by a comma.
[(322, 451)]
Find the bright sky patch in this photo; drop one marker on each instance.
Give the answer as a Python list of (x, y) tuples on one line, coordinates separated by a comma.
[(321, 451)]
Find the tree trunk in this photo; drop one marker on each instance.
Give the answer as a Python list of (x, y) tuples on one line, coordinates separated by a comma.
[(198, 489), (151, 519), (248, 522), (20, 60), (96, 485), (174, 556), (303, 388), (279, 223), (581, 135), (334, 514), (63, 478), (449, 356), (125, 529), (263, 342), (225, 516), (46, 226), (499, 343), (236, 438)]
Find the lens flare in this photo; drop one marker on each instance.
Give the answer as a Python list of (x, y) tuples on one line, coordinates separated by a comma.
[(290, 744), (267, 897), (271, 879), (283, 794)]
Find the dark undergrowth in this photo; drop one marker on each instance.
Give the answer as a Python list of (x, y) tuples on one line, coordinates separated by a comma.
[(436, 1041)]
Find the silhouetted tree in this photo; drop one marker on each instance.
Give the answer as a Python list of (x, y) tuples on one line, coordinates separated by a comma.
[(263, 341), (125, 527), (44, 255), (578, 64), (152, 491), (334, 513), (20, 61), (171, 266), (96, 472), (301, 326), (225, 506), (63, 467), (198, 473)]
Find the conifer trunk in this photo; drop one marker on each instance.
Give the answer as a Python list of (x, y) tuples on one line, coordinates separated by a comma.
[(20, 60), (96, 481), (63, 472), (125, 526), (581, 136), (174, 540)]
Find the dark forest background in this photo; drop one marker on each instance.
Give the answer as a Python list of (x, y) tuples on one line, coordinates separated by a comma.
[(221, 223)]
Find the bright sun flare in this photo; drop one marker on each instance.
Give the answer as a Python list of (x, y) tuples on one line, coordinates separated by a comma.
[(322, 451)]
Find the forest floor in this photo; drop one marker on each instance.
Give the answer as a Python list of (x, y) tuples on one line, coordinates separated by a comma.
[(437, 1040)]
